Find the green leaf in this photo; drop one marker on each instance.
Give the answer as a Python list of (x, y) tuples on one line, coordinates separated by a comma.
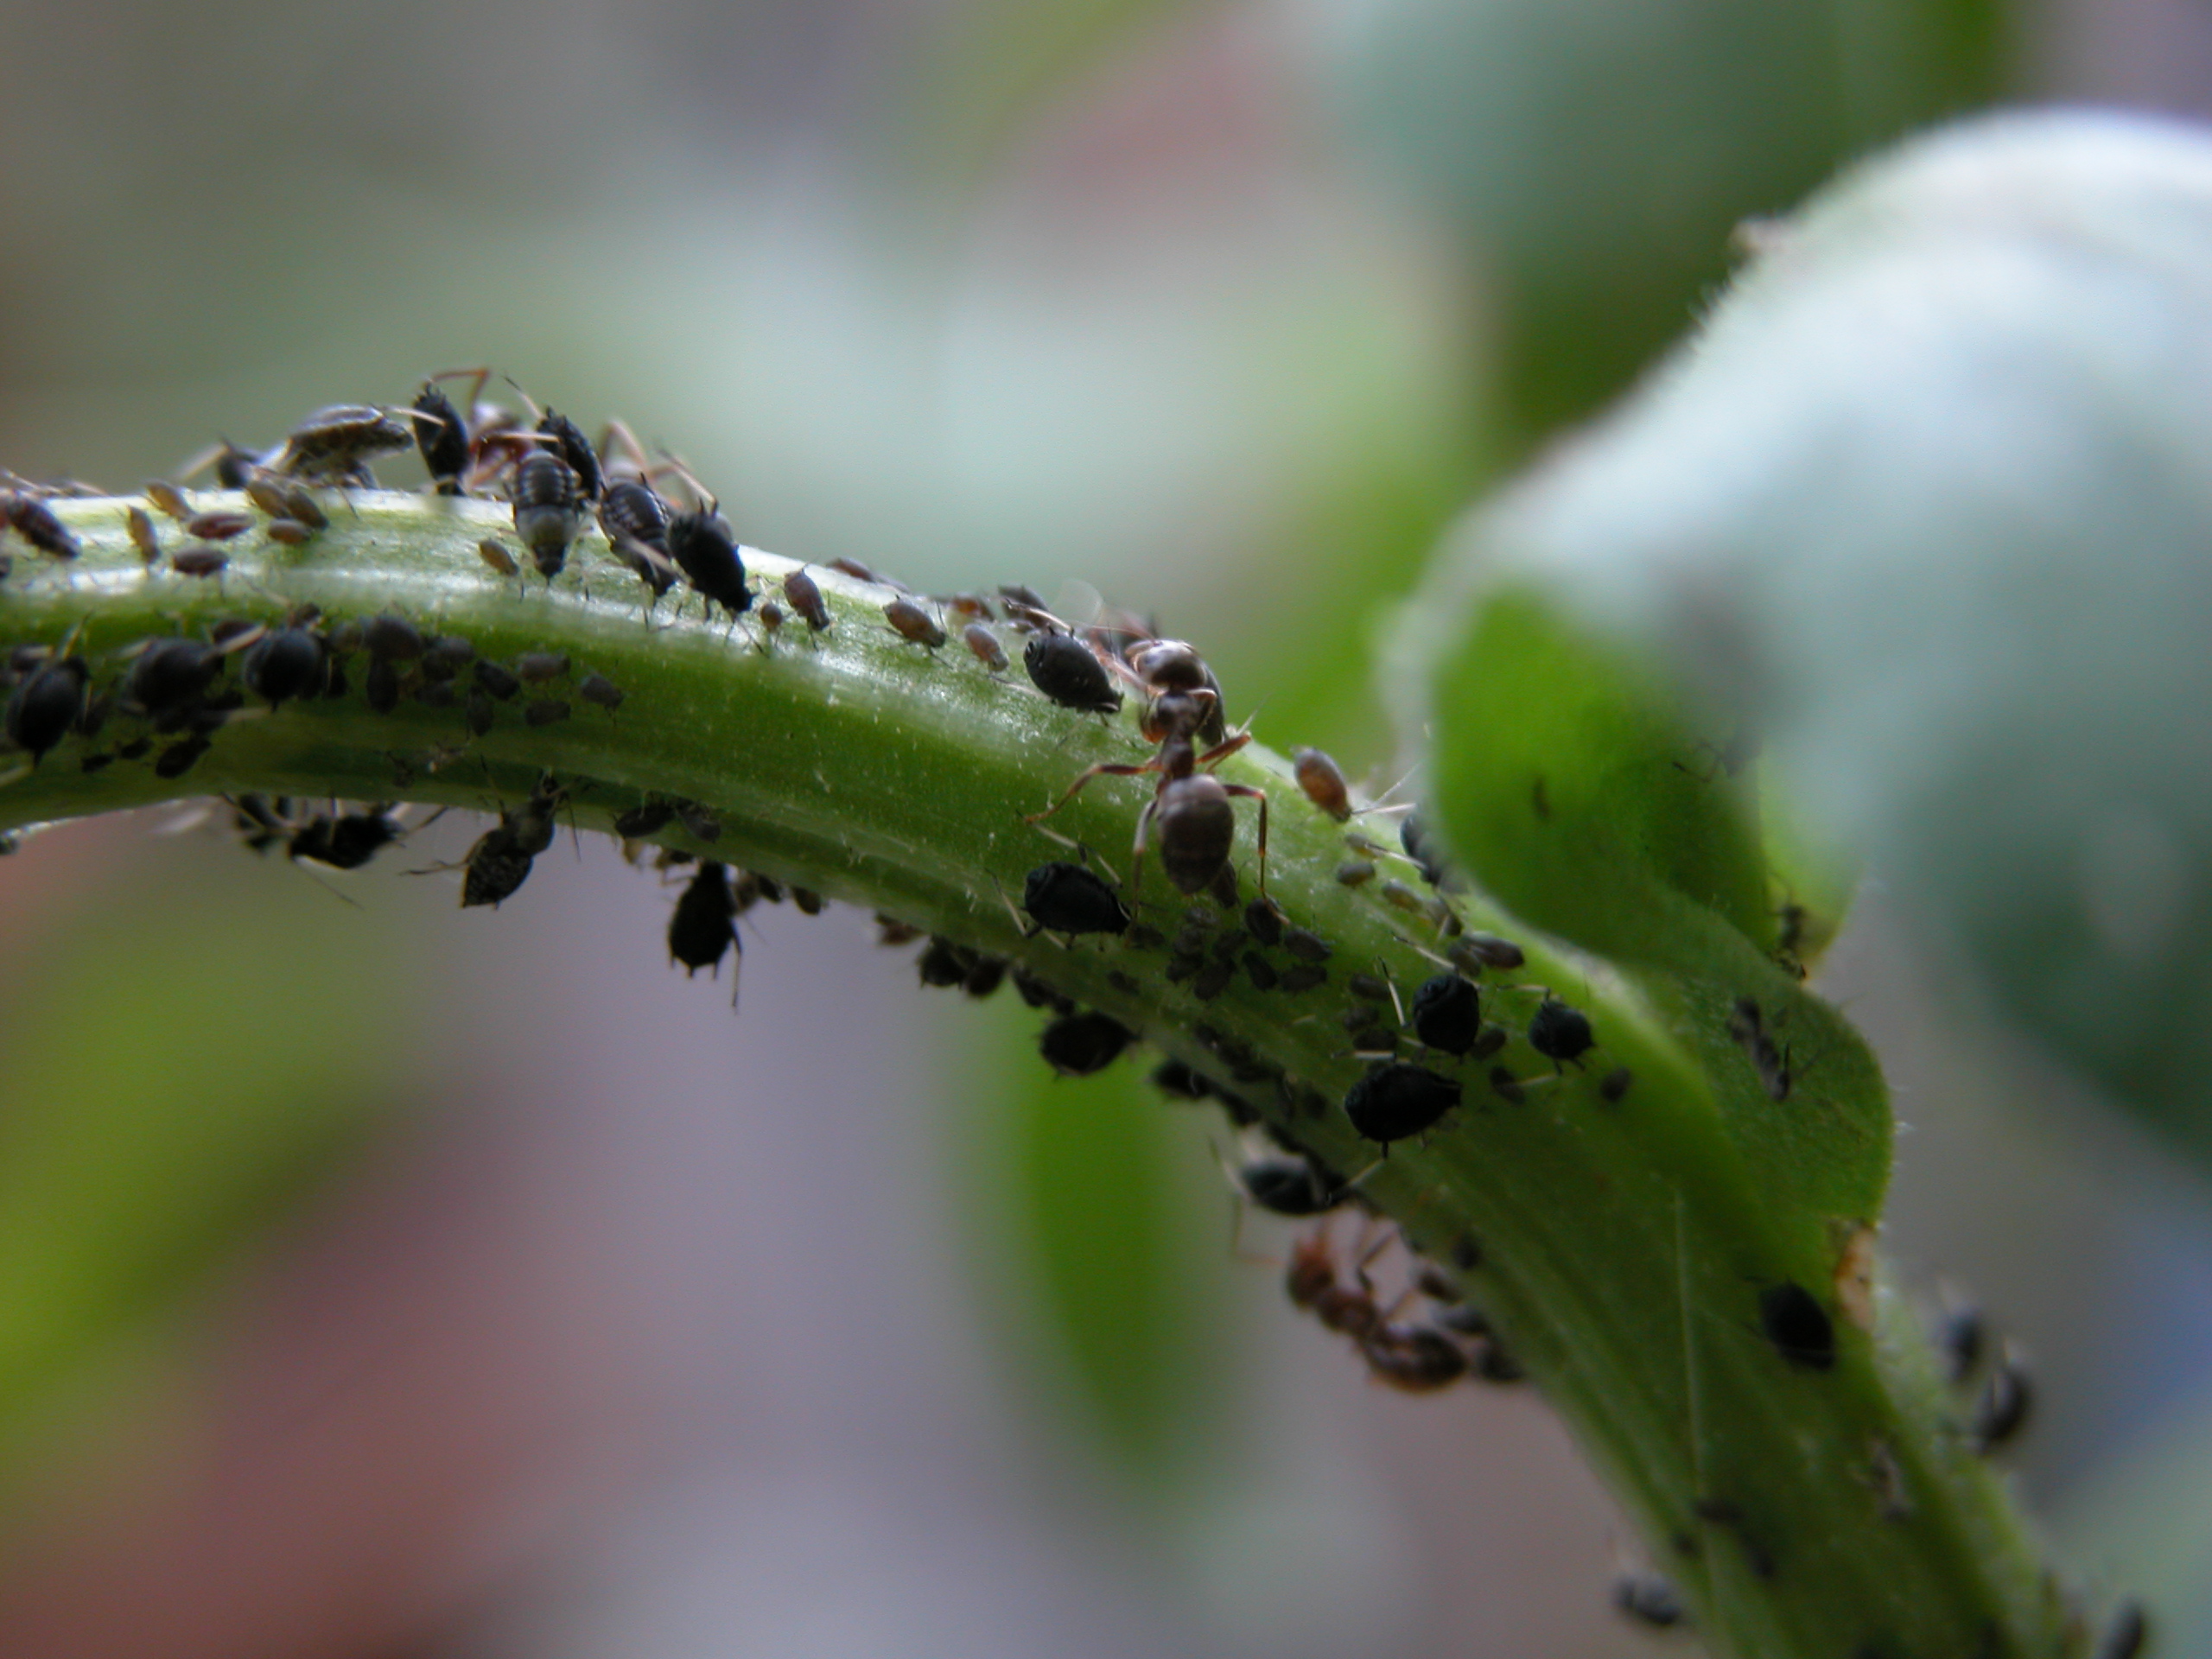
[(1929, 503)]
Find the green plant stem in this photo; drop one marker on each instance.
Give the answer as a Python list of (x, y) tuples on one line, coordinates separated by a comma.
[(1620, 1247)]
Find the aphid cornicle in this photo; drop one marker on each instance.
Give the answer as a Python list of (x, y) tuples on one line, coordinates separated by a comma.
[(549, 510)]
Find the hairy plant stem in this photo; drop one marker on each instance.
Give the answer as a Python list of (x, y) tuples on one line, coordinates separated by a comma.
[(1621, 1247)]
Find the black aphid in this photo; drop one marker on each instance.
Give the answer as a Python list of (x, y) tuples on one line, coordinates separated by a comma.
[(549, 510), (701, 822), (602, 692), (705, 551), (380, 686), (170, 675), (635, 519), (332, 443), (1265, 921), (537, 667), (443, 437), (1613, 1087), (1799, 1328), (944, 963), (1420, 847), (1305, 945), (575, 450), (287, 664), (180, 757), (1560, 1033), (1064, 670), (1394, 1100), (2002, 1410), (1487, 949), (1288, 1186), (1173, 1078), (2125, 1637), (703, 929), (391, 638), (500, 861), (1650, 1601), (495, 679), (1067, 898), (447, 655), (46, 704), (346, 841), (1447, 1013), (1077, 1044), (642, 820)]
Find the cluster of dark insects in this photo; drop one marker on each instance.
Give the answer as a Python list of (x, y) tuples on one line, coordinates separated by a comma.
[(1449, 1024)]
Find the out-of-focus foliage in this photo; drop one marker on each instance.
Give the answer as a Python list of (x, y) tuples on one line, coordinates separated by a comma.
[(1596, 157), (1927, 507), (169, 1092)]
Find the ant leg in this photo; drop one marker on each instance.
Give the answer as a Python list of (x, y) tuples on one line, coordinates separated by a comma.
[(1102, 769), (1136, 858), (1261, 795), (1223, 750)]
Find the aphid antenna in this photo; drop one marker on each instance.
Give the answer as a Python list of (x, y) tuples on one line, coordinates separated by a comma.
[(1423, 951)]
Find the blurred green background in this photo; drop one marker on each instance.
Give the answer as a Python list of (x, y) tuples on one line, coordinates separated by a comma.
[(377, 1281)]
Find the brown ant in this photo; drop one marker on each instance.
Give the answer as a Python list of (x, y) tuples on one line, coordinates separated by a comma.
[(1414, 1358)]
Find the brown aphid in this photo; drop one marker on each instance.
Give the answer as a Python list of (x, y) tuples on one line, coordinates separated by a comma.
[(535, 667), (913, 624), (598, 689), (142, 536), (860, 572), (1355, 872), (168, 500), (1323, 784), (199, 560), (496, 556), (34, 521), (334, 442), (219, 525), (264, 491), (290, 532), (301, 505), (985, 644), (806, 597), (974, 607)]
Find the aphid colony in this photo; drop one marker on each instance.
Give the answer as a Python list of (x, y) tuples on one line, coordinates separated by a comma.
[(1421, 1046)]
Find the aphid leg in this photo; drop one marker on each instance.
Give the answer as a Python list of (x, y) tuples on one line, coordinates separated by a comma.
[(1261, 795)]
